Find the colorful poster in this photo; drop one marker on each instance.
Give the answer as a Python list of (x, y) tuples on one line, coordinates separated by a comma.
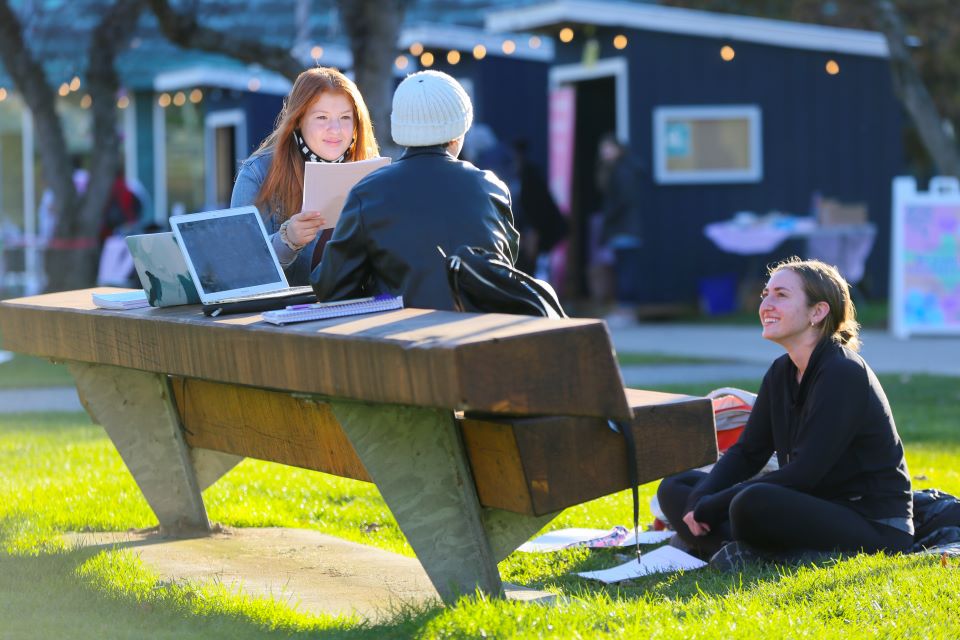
[(562, 124), (926, 259)]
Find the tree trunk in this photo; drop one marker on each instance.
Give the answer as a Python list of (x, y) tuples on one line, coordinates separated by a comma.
[(373, 28), (913, 93), (71, 261), (31, 81)]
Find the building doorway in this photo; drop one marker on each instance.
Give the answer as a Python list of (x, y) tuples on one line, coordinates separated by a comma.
[(225, 142), (600, 107)]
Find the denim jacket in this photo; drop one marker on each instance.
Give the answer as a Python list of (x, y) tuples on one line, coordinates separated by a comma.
[(253, 171)]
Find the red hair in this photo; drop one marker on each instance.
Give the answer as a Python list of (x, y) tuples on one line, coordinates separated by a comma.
[(283, 186)]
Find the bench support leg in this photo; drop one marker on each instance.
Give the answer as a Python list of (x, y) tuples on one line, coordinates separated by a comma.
[(507, 531), (417, 460), (137, 411)]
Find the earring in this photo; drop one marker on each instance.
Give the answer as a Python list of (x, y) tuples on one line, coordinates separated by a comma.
[(812, 323)]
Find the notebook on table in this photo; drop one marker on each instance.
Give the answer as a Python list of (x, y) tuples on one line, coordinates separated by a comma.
[(232, 262), (162, 270), (335, 309)]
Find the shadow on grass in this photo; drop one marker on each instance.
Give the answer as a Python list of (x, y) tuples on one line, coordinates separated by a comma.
[(47, 596)]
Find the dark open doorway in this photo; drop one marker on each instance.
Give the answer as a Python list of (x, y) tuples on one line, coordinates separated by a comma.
[(595, 116)]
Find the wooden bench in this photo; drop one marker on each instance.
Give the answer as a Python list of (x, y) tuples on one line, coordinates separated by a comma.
[(376, 398)]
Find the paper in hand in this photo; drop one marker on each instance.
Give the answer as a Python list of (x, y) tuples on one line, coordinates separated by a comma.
[(326, 185)]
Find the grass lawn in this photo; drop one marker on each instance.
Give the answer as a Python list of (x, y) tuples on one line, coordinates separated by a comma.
[(60, 473), (24, 372)]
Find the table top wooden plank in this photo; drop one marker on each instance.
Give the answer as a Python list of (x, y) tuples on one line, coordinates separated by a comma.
[(477, 362)]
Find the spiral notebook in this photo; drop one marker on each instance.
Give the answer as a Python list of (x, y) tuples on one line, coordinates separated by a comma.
[(338, 309)]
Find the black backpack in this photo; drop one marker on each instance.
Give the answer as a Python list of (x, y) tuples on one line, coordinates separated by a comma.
[(481, 281)]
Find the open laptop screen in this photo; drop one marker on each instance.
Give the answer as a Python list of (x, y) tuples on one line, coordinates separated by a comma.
[(228, 253)]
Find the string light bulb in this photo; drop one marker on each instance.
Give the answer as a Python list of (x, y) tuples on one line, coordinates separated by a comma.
[(832, 67), (566, 34), (453, 56), (479, 52), (727, 53)]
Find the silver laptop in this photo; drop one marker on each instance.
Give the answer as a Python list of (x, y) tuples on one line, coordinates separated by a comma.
[(162, 269), (229, 256)]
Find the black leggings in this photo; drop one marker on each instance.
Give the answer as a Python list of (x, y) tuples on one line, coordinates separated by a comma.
[(775, 518)]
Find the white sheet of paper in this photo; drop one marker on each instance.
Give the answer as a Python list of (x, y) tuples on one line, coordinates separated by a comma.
[(326, 185), (662, 560), (647, 537), (561, 539)]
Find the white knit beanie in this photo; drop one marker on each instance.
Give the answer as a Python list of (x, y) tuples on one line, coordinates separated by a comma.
[(429, 107)]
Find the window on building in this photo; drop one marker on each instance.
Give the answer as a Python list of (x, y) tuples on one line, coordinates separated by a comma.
[(707, 144)]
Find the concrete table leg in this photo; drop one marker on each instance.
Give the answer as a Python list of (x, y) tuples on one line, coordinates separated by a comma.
[(417, 460), (137, 412)]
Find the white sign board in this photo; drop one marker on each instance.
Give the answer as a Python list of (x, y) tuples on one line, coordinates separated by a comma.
[(925, 258)]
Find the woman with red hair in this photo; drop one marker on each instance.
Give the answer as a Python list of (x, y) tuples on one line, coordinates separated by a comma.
[(324, 119)]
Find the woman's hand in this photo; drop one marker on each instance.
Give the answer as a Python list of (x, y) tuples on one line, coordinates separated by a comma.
[(303, 227), (696, 528)]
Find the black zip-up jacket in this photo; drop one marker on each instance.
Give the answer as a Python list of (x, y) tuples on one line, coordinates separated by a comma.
[(394, 219), (834, 436)]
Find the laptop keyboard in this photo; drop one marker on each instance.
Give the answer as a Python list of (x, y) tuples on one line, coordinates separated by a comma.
[(284, 293)]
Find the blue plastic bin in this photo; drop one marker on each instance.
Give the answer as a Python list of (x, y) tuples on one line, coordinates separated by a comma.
[(718, 294)]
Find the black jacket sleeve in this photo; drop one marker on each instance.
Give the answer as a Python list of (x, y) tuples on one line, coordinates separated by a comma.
[(742, 460), (344, 268), (827, 426)]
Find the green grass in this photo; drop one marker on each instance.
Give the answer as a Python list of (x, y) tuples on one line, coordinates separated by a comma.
[(648, 359), (23, 372), (60, 473)]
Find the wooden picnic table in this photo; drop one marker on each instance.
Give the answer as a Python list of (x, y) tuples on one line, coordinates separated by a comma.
[(476, 428)]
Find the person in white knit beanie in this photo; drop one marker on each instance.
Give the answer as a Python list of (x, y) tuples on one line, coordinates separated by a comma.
[(430, 108), (394, 219)]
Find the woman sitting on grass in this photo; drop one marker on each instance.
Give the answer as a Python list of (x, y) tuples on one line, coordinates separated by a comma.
[(843, 483)]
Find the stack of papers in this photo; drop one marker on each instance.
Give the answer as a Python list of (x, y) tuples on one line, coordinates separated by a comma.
[(124, 300), (665, 559)]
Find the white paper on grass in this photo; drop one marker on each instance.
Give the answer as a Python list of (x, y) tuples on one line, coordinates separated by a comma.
[(647, 537), (591, 538), (663, 560), (562, 539)]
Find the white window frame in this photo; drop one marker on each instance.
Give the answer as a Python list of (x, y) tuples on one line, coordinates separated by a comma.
[(235, 118), (664, 175), (616, 67)]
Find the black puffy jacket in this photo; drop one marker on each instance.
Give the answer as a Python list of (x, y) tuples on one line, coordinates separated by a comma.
[(394, 219)]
